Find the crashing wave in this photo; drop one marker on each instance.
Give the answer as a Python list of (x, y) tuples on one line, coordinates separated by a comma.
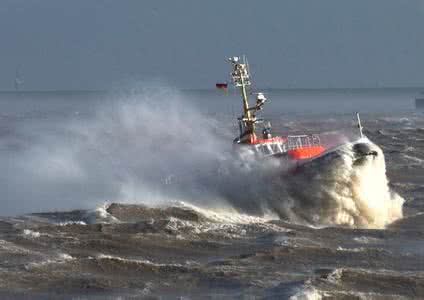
[(346, 187)]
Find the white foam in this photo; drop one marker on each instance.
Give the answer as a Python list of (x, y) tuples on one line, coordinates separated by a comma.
[(31, 234), (219, 229), (137, 261), (340, 190), (100, 215), (72, 223), (228, 214), (11, 247), (351, 249), (307, 293), (375, 204), (335, 276), (60, 258), (365, 240), (416, 160)]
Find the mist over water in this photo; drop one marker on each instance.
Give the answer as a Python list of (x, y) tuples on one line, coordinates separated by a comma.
[(155, 147), (127, 150)]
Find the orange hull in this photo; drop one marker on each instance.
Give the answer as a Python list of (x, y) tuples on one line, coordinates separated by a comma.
[(306, 152)]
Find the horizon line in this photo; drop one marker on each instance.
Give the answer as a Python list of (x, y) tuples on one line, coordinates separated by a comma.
[(212, 89)]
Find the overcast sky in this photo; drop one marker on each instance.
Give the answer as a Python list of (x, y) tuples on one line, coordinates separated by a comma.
[(88, 44)]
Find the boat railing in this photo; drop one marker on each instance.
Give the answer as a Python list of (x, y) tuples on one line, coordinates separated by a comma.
[(301, 141), (271, 148)]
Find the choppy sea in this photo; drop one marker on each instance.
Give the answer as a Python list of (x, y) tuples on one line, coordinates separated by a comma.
[(138, 194)]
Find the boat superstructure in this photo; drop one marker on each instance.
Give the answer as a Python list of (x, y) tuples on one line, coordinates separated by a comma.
[(256, 134)]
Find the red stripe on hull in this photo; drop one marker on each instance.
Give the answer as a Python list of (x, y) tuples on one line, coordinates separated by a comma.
[(306, 152)]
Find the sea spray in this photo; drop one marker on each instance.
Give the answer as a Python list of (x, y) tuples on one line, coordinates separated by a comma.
[(149, 145), (344, 188), (154, 147)]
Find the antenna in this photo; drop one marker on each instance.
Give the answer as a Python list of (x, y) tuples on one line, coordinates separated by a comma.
[(246, 63), (359, 125)]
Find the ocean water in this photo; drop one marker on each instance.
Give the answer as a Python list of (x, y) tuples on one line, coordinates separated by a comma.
[(138, 194)]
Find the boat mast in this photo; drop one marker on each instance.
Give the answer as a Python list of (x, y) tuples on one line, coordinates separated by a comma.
[(241, 78)]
